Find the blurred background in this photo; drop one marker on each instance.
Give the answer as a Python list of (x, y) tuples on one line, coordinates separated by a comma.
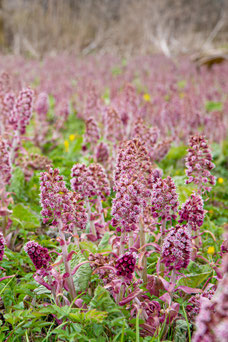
[(125, 27)]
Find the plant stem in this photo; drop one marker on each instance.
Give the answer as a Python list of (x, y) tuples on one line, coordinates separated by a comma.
[(15, 141), (101, 210), (122, 238), (163, 227), (66, 263), (142, 243), (92, 226), (4, 225), (130, 239)]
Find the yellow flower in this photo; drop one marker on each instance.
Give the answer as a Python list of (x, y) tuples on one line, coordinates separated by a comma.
[(72, 137), (220, 180), (66, 144), (182, 95), (146, 97), (211, 250)]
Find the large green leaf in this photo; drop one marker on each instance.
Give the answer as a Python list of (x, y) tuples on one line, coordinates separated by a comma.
[(83, 274), (183, 190), (27, 218), (104, 243), (181, 330), (212, 106), (81, 277), (91, 316), (193, 280), (17, 183), (102, 301)]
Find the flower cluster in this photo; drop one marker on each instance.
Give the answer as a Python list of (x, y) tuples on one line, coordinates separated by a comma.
[(83, 181), (224, 246), (125, 265), (134, 162), (113, 125), (192, 212), (59, 204), (101, 180), (42, 105), (199, 164), (31, 162), (5, 165), (164, 200), (212, 321), (176, 249), (22, 110), (148, 135), (127, 205), (2, 246), (8, 104), (161, 149), (194, 308), (38, 254), (92, 134), (102, 153)]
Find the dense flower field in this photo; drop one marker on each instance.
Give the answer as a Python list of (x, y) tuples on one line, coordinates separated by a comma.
[(114, 202)]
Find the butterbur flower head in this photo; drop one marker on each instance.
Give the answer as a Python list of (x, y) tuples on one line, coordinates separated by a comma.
[(92, 133), (113, 125), (5, 165), (164, 199), (134, 162), (193, 308), (76, 215), (176, 248), (101, 180), (2, 246), (127, 205), (22, 110), (125, 265), (42, 105), (192, 212), (38, 254), (60, 204), (102, 153), (199, 164), (8, 105), (148, 135), (212, 321), (161, 149), (82, 181)]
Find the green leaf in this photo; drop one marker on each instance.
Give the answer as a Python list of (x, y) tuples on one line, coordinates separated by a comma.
[(103, 245), (82, 276), (17, 183), (103, 301), (183, 190), (212, 106), (26, 216), (193, 280), (88, 245), (181, 330), (91, 316), (181, 84)]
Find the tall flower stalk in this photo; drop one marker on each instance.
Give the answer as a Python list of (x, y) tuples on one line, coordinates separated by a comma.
[(199, 164), (63, 209)]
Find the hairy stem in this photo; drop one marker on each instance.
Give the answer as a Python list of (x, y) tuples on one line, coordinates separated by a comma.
[(92, 226), (66, 263), (122, 238), (101, 210), (142, 243), (130, 239)]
